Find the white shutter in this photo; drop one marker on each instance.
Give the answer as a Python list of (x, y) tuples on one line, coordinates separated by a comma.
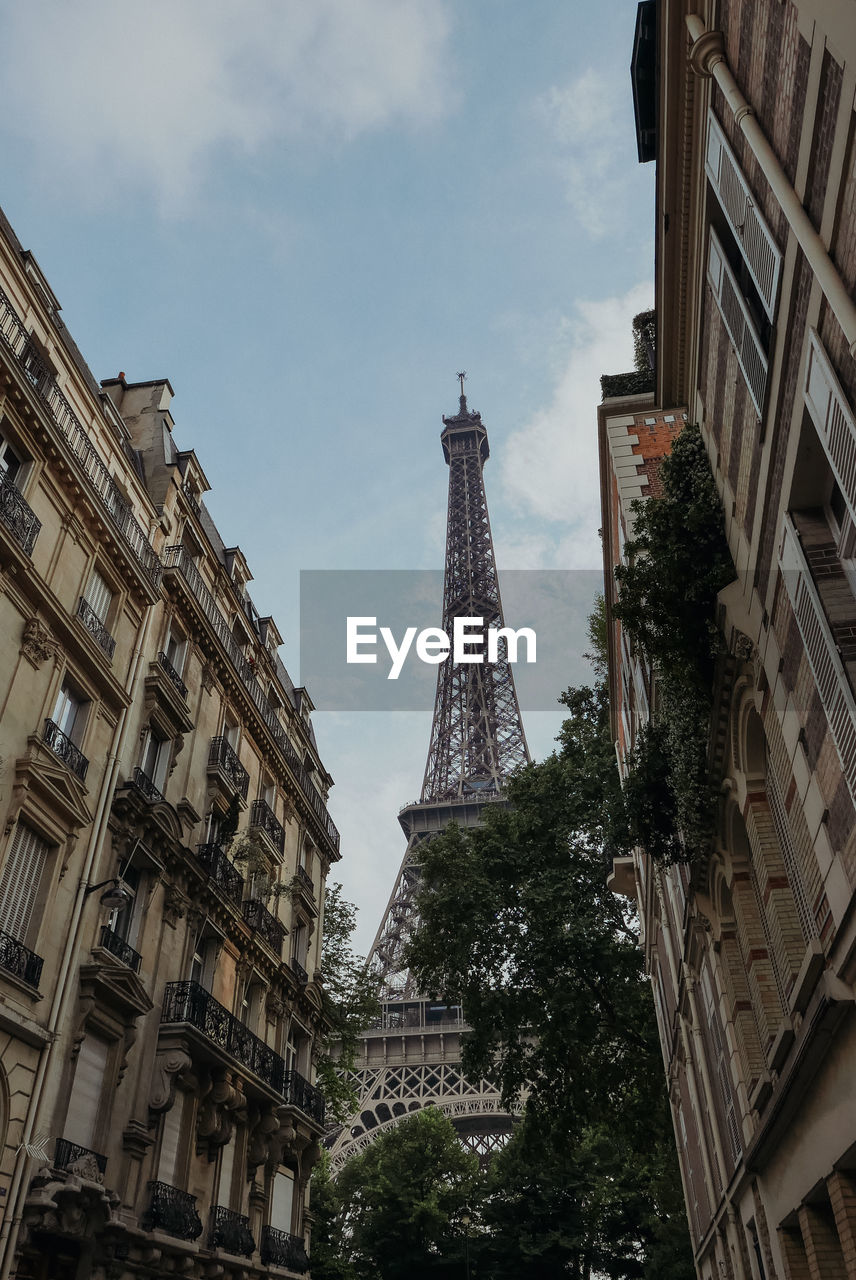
[(87, 1091), (735, 314), (170, 1140), (832, 416), (282, 1200), (720, 1068), (98, 596), (227, 1164), (753, 236), (20, 880)]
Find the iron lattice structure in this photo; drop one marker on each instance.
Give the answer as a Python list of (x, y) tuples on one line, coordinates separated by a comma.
[(412, 1057)]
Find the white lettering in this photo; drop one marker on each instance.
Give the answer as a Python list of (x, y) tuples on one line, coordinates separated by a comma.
[(355, 639), (511, 638), (465, 640), (432, 645), (397, 653)]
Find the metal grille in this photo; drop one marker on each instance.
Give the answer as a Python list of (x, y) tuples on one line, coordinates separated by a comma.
[(230, 1231), (172, 1211), (95, 627), (119, 948), (61, 745), (18, 518)]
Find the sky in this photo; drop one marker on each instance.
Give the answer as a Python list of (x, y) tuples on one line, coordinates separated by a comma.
[(309, 215)]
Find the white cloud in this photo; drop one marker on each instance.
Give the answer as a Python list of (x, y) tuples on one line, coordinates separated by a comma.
[(550, 465), (116, 94), (590, 136)]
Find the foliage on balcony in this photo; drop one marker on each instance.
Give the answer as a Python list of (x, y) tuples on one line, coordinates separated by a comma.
[(634, 383), (674, 566)]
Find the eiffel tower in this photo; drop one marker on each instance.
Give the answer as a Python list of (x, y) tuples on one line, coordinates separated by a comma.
[(412, 1057)]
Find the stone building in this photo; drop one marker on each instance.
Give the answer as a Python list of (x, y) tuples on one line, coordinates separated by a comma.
[(747, 107), (164, 843)]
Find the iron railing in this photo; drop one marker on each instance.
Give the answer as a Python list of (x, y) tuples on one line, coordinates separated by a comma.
[(222, 755), (17, 516), (223, 872), (176, 557), (306, 880), (67, 1153), (264, 922), (19, 343), (17, 959), (230, 1231), (192, 500), (189, 1002), (301, 1094), (263, 817), (302, 975), (118, 947), (95, 627), (173, 675), (61, 745), (143, 783), (172, 1211), (283, 1250)]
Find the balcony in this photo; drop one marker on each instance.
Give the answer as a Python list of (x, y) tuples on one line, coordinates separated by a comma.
[(264, 819), (301, 1094), (119, 948), (224, 873), (173, 676), (223, 760), (305, 880), (176, 558), (95, 627), (143, 783), (67, 1154), (279, 1249), (191, 499), (17, 516), (230, 1231), (297, 967), (18, 343), (262, 921), (16, 959), (63, 747), (172, 1211)]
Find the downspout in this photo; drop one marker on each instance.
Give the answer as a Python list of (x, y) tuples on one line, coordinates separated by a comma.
[(12, 1224), (707, 58)]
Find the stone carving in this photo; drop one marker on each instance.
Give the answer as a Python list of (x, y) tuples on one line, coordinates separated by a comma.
[(37, 642), (175, 904), (169, 1064), (221, 1104)]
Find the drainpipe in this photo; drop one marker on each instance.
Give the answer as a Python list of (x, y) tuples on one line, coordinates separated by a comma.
[(65, 981), (707, 58)]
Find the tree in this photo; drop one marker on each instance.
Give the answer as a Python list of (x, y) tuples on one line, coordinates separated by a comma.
[(518, 924), (349, 995), (395, 1211)]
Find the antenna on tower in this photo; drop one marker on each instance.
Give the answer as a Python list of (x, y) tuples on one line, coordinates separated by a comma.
[(462, 377)]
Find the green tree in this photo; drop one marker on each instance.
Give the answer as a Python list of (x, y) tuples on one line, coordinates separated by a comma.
[(519, 925), (349, 995), (395, 1211)]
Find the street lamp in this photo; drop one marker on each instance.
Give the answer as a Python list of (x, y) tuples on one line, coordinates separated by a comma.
[(116, 897), (465, 1223)]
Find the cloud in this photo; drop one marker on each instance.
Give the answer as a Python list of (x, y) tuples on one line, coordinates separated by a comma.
[(586, 120), (148, 96), (550, 465)]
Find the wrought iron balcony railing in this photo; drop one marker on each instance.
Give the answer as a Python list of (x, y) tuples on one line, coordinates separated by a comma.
[(174, 677), (68, 1153), (230, 1231), (18, 517), (18, 342), (306, 880), (172, 1211), (189, 1002), (143, 783), (221, 755), (263, 817), (302, 975), (259, 918), (95, 627), (176, 557), (223, 872), (301, 1094), (280, 1249), (17, 959), (119, 948), (192, 500), (61, 745)]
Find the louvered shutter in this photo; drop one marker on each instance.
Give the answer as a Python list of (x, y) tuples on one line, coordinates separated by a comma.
[(754, 238), (87, 1091), (98, 596), (738, 322), (20, 879), (720, 1068)]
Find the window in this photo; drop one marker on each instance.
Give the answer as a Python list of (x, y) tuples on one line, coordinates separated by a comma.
[(251, 1004), (10, 462), (231, 732), (282, 1200), (204, 960), (98, 596), (169, 1163), (85, 1105), (69, 713), (20, 881), (176, 648), (123, 921), (227, 1169), (269, 792), (155, 759), (298, 948)]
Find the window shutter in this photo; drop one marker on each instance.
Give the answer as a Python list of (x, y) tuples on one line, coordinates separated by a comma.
[(170, 1140), (87, 1091), (98, 596), (21, 877), (227, 1164), (738, 322), (753, 236), (832, 416), (720, 1068), (282, 1201)]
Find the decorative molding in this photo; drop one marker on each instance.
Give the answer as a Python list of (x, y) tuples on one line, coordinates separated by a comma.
[(38, 643)]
